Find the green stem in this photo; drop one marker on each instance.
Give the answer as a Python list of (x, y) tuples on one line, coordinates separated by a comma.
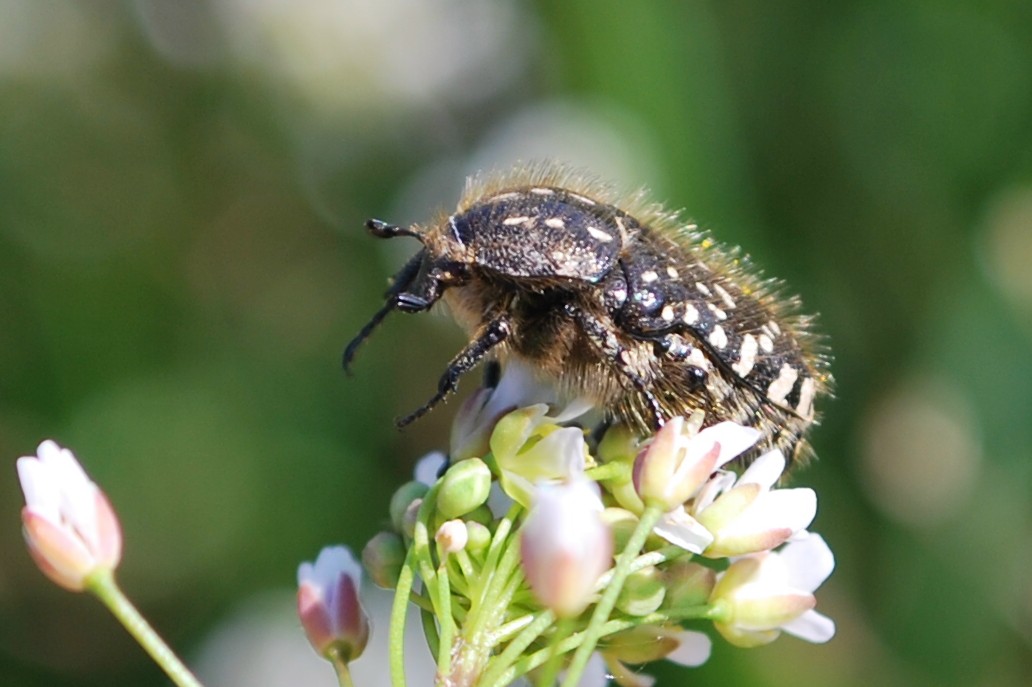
[(396, 646), (343, 671), (507, 658), (609, 471), (605, 605), (102, 584), (445, 620)]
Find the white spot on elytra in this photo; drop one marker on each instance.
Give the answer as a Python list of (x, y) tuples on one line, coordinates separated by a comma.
[(506, 196), (774, 328), (691, 315), (718, 338), (510, 221), (555, 223), (699, 359), (766, 343), (667, 314), (746, 356), (600, 235), (724, 296), (542, 191), (806, 393), (672, 273), (780, 387), (717, 312), (703, 289), (583, 199), (648, 276), (558, 256), (620, 295)]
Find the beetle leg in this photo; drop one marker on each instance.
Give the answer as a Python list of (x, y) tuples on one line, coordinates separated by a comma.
[(607, 344), (487, 337)]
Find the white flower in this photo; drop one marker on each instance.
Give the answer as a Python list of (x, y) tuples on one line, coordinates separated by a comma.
[(556, 454), (69, 525), (730, 517), (680, 458), (761, 595), (328, 604), (750, 516), (565, 546)]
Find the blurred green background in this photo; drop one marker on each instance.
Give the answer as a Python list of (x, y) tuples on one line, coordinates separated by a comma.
[(182, 191)]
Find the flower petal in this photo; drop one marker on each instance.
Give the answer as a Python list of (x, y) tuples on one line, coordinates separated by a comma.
[(692, 650), (809, 562), (811, 626), (681, 529)]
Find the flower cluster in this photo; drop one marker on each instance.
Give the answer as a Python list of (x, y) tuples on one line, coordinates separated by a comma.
[(532, 551), (537, 548)]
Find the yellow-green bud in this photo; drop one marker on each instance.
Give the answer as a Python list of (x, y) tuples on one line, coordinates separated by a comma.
[(479, 536), (464, 488), (402, 499), (688, 584), (619, 444), (622, 523), (383, 557), (641, 644), (642, 593)]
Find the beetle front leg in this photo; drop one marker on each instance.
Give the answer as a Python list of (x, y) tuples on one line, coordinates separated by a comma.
[(487, 337)]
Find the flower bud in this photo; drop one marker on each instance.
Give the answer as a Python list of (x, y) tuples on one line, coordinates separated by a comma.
[(69, 525), (641, 644), (329, 607), (643, 592), (464, 487), (402, 499), (678, 461), (479, 537), (622, 524), (383, 557), (688, 584), (452, 536), (565, 546)]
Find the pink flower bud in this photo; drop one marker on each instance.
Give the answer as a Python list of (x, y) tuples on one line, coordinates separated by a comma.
[(565, 545), (69, 525), (679, 459), (328, 604)]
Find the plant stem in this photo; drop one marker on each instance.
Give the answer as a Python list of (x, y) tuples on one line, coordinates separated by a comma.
[(102, 584), (343, 671)]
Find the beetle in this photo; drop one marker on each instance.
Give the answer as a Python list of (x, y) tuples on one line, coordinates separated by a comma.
[(613, 298)]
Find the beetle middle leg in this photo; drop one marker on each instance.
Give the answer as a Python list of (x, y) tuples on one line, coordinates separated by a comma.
[(606, 343)]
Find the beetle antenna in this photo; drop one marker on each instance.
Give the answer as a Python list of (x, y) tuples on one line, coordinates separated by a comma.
[(385, 230)]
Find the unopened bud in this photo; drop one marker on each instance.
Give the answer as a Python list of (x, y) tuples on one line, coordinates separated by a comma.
[(464, 487), (69, 525), (565, 546), (452, 536), (402, 499), (642, 593), (479, 536), (688, 584), (329, 607), (383, 557)]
